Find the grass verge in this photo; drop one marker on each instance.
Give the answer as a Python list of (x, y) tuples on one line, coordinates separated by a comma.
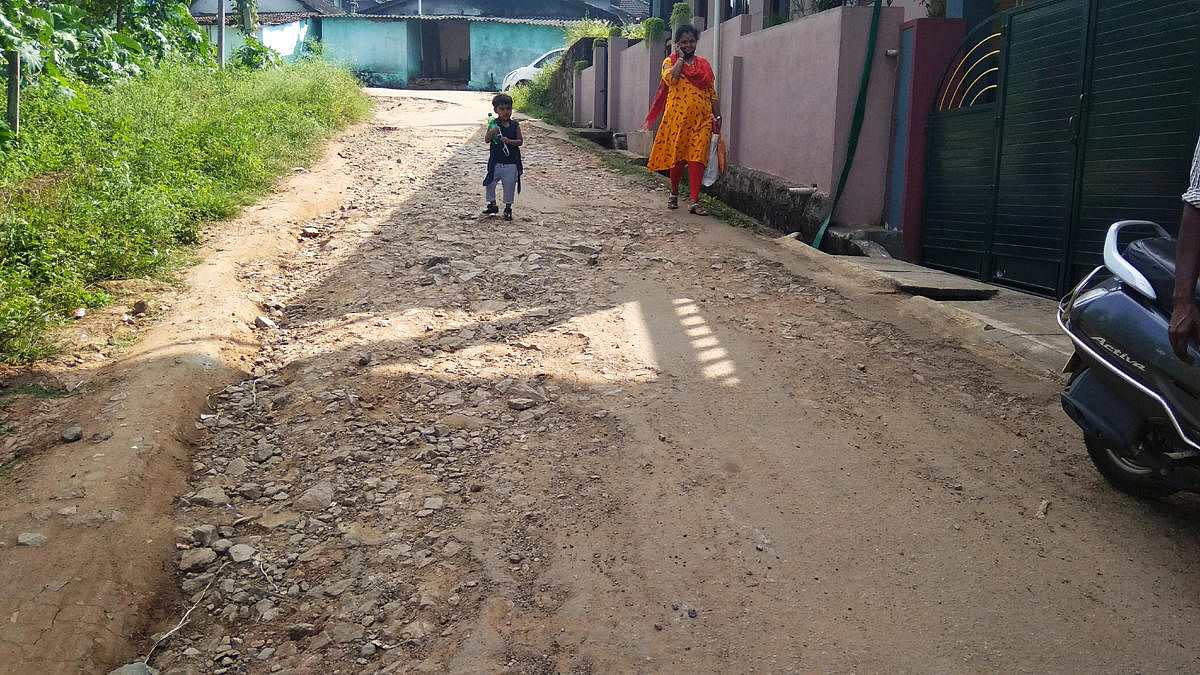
[(533, 99), (116, 183), (620, 163), (11, 393)]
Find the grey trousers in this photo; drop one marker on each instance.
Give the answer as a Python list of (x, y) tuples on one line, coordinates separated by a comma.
[(506, 174)]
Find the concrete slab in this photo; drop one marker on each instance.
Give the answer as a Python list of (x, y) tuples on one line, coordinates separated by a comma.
[(933, 284), (1025, 324), (1019, 324)]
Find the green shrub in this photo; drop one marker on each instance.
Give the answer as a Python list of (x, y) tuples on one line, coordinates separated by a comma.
[(681, 14), (653, 31), (587, 28), (64, 42), (256, 56), (581, 66), (534, 98), (114, 182)]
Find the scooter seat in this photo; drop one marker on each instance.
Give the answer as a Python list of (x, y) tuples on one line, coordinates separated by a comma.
[(1155, 259)]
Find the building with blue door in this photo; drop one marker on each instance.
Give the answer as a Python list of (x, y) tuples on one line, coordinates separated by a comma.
[(448, 44)]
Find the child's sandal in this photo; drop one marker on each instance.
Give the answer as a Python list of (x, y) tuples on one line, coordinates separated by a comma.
[(696, 209), (673, 202)]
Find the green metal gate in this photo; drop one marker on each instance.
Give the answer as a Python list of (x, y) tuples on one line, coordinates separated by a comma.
[(1076, 113)]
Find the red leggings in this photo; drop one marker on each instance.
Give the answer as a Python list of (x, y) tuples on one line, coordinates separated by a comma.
[(695, 175)]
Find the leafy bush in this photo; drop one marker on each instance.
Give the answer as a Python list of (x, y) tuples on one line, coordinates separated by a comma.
[(534, 98), (599, 28), (633, 31), (653, 30), (681, 14), (111, 183), (587, 28), (256, 56), (313, 49), (63, 42)]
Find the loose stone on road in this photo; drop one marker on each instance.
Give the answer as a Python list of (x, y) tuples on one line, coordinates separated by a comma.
[(609, 438)]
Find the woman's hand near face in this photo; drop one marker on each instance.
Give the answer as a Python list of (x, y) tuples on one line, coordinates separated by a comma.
[(677, 69)]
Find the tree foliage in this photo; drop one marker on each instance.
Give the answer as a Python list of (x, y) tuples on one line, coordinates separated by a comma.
[(99, 41), (247, 15)]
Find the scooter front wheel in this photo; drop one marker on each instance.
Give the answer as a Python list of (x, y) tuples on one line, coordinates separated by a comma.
[(1127, 474)]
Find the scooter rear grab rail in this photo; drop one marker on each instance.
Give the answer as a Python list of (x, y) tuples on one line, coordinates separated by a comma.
[(1119, 266), (1112, 256)]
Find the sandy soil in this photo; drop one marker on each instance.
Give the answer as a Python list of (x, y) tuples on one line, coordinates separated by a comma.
[(602, 438)]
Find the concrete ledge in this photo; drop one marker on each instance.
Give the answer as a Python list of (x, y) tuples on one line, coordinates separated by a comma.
[(766, 199), (601, 137), (639, 142), (1019, 324), (933, 284)]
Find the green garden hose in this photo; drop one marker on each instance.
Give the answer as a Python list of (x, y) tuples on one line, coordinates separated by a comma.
[(860, 112)]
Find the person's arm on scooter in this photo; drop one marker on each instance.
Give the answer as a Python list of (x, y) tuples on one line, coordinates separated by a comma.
[(1185, 317)]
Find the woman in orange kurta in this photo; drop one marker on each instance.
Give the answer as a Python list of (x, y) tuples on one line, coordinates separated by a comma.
[(687, 101)]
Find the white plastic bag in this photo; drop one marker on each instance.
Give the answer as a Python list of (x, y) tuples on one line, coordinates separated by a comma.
[(713, 171)]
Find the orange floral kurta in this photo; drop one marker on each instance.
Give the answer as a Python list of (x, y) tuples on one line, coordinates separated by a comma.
[(686, 128)]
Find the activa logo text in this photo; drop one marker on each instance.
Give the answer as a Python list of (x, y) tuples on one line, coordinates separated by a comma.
[(1119, 354)]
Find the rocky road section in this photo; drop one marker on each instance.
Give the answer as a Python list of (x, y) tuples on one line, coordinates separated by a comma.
[(608, 438), (611, 438)]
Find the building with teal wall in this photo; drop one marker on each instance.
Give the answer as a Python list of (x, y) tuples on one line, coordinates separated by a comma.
[(375, 49), (456, 44), (395, 51), (498, 48)]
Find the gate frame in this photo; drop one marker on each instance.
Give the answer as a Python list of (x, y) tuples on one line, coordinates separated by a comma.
[(1077, 128)]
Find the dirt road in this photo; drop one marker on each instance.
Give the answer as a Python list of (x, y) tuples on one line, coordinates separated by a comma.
[(611, 438)]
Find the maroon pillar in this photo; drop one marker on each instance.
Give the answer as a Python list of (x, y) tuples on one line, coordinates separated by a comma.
[(934, 44)]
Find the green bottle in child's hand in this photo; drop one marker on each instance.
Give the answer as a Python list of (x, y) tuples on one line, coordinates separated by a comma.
[(494, 123)]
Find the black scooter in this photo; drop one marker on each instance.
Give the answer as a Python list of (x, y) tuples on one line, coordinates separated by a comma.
[(1137, 403)]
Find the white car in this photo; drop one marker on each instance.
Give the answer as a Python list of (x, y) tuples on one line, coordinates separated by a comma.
[(526, 74)]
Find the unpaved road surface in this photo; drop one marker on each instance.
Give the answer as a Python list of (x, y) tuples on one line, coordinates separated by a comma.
[(611, 438)]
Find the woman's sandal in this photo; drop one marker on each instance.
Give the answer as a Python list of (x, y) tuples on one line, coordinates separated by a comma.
[(673, 202), (696, 209)]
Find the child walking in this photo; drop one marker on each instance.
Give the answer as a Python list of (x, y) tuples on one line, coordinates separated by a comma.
[(504, 163)]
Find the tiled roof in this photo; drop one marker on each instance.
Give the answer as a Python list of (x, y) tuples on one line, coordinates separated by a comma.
[(268, 19), (314, 8), (405, 9), (450, 17), (322, 7), (638, 9)]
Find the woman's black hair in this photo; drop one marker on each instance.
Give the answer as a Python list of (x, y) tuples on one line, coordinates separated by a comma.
[(684, 30)]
